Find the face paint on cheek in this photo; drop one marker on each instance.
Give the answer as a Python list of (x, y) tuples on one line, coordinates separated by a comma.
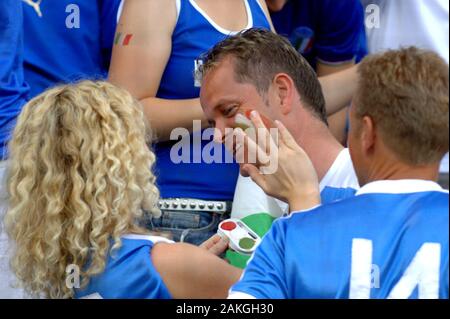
[(242, 122), (267, 122)]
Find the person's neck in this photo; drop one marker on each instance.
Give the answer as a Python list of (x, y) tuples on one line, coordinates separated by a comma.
[(395, 170), (320, 145)]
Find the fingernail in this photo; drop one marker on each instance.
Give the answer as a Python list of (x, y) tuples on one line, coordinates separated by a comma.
[(254, 114)]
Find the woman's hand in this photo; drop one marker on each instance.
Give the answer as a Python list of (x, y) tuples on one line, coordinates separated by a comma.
[(291, 177), (215, 245)]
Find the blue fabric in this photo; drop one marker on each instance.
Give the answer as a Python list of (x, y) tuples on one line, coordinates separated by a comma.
[(329, 30), (45, 52), (129, 274), (308, 255), (192, 37), (55, 53), (332, 194), (13, 89)]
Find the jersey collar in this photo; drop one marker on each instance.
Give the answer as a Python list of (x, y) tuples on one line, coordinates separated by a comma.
[(404, 186)]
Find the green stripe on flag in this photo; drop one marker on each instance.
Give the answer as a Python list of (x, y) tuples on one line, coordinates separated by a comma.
[(117, 38), (260, 223)]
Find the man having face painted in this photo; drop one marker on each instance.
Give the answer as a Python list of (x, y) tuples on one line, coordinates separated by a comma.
[(259, 70)]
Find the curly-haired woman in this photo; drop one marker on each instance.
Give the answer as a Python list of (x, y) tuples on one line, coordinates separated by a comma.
[(80, 182)]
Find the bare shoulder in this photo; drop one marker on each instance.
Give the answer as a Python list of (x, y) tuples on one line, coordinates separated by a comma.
[(145, 13)]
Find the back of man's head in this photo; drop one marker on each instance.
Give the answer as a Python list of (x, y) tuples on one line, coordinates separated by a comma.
[(259, 55), (405, 92)]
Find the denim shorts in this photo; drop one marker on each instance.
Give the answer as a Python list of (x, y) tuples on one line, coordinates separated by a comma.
[(192, 227)]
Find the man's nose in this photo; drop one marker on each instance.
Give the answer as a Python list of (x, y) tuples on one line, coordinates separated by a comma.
[(223, 126), (219, 133)]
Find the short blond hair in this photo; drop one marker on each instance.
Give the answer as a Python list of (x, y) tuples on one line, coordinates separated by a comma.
[(79, 178), (406, 92), (258, 55)]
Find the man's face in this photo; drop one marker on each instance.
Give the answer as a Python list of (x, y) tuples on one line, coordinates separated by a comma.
[(275, 5), (222, 98)]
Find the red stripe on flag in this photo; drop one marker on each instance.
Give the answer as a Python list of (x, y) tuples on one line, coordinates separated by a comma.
[(127, 39)]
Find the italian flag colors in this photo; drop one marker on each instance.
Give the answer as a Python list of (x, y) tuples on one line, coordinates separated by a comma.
[(122, 39), (260, 223), (257, 210)]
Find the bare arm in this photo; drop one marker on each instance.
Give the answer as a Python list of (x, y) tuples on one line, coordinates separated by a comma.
[(138, 66), (338, 88), (337, 122), (190, 272)]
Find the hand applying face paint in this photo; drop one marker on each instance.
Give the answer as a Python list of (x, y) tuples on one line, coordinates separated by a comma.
[(243, 126), (242, 123), (294, 179)]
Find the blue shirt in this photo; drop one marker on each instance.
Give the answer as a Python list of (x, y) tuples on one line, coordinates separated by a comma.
[(333, 194), (13, 89), (212, 178), (327, 30), (71, 41), (129, 273), (390, 240)]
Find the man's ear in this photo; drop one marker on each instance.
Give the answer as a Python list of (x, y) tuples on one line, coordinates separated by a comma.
[(284, 87), (368, 135)]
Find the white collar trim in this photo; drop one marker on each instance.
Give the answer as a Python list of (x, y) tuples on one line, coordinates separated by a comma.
[(154, 239), (218, 27), (403, 186)]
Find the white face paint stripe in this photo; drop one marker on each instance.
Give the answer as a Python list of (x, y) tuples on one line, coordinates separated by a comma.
[(360, 278), (423, 271)]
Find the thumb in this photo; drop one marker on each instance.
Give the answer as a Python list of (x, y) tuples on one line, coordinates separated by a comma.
[(219, 247)]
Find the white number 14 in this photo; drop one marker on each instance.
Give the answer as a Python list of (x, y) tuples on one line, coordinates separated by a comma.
[(423, 272)]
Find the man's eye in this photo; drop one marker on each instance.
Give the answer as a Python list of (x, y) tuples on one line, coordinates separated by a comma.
[(230, 111)]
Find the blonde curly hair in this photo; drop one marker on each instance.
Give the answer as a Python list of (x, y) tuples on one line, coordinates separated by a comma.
[(79, 178)]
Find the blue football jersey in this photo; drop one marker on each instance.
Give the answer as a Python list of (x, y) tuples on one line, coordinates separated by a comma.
[(67, 40), (129, 273), (13, 88), (329, 31), (388, 241)]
